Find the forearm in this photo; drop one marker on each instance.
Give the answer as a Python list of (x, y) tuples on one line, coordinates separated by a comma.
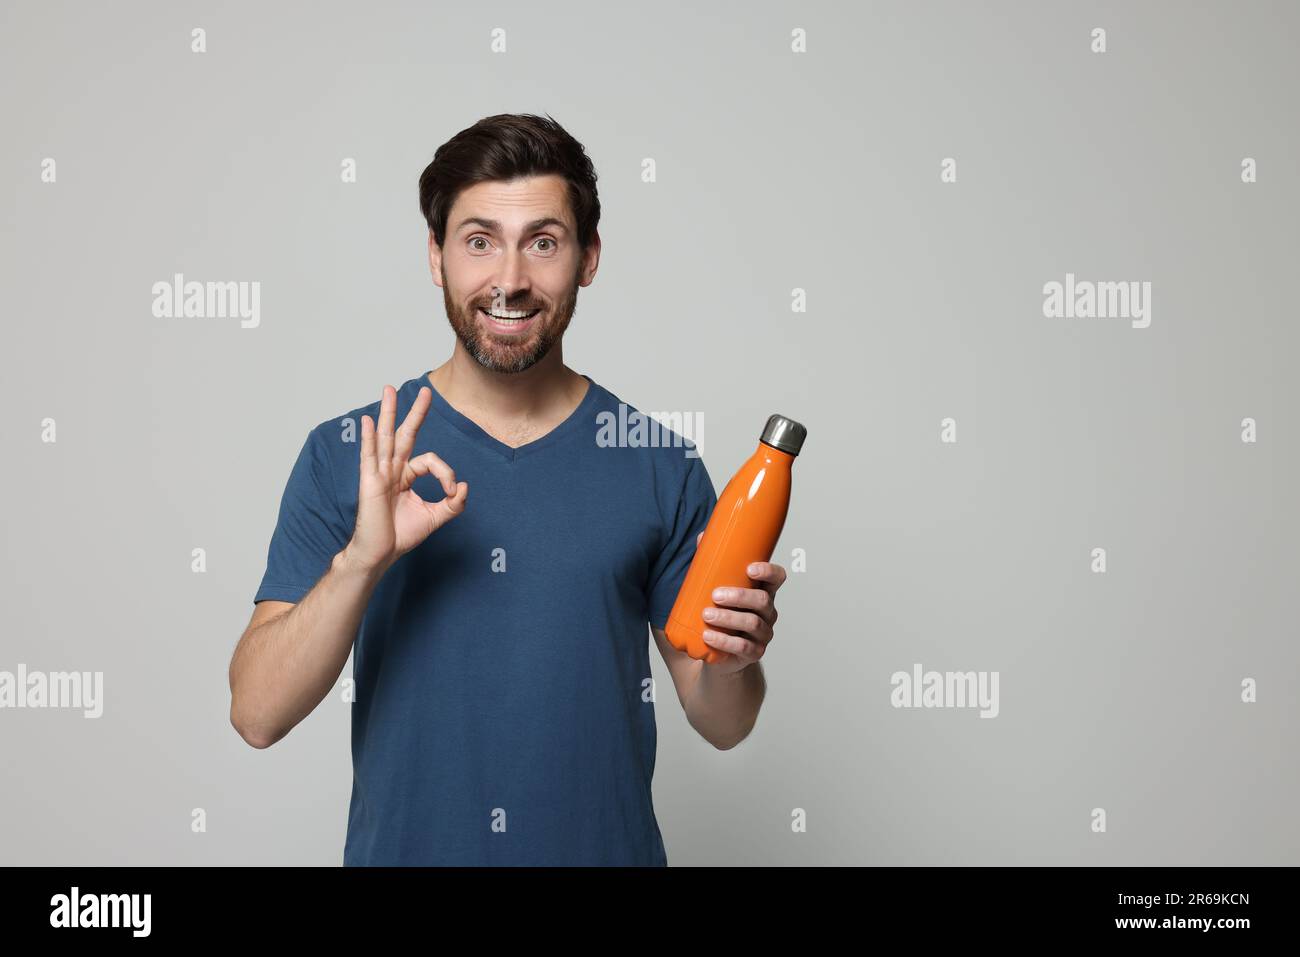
[(283, 668), (724, 707)]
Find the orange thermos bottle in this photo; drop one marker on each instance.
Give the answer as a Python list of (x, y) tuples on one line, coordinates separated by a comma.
[(743, 529)]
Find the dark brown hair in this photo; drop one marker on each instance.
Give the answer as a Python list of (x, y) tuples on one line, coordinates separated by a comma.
[(504, 147)]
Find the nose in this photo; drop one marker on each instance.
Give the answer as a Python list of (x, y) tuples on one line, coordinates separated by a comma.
[(512, 281)]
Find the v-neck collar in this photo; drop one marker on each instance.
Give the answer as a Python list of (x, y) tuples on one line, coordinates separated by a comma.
[(479, 435)]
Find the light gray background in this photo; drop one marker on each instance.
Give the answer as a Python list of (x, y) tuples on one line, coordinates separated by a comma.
[(775, 171)]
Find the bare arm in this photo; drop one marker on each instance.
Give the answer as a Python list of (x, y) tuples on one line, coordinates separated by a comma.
[(721, 706), (290, 655), (722, 700)]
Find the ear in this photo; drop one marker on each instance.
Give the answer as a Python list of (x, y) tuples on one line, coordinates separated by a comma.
[(591, 260), (435, 261)]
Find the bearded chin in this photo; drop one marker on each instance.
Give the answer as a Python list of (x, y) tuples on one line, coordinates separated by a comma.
[(500, 355)]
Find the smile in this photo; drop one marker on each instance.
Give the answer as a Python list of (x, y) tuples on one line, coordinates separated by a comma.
[(513, 322)]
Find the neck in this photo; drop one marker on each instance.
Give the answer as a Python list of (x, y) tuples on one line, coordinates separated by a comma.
[(536, 393)]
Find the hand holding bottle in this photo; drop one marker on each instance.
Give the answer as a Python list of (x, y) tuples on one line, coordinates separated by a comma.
[(749, 628), (733, 552)]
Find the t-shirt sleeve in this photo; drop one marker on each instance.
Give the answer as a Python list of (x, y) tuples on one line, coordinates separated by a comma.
[(690, 514), (309, 531)]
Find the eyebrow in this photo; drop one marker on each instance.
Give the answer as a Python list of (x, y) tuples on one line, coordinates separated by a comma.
[(495, 225)]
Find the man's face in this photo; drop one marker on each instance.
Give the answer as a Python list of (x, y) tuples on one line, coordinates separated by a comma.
[(511, 247)]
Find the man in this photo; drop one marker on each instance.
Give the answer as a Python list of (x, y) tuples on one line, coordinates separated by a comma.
[(503, 711)]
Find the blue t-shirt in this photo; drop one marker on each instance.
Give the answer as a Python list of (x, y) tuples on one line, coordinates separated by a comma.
[(502, 712)]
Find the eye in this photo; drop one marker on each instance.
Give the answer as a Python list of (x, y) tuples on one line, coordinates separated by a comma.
[(474, 239), (547, 239)]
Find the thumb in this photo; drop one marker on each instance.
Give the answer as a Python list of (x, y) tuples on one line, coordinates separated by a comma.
[(446, 509)]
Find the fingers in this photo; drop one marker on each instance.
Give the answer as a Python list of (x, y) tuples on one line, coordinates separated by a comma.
[(448, 508), (445, 509), (770, 577), (387, 417), (760, 601), (368, 460), (411, 426), (428, 463), (753, 624), (380, 442), (743, 648)]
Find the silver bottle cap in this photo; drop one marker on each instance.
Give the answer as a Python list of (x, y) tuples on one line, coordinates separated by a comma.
[(784, 434)]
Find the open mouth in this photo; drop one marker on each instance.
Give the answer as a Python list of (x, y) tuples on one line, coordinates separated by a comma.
[(514, 319)]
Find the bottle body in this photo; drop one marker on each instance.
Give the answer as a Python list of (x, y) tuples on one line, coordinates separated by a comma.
[(743, 529)]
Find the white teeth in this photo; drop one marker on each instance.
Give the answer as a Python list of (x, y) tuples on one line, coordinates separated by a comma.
[(513, 314)]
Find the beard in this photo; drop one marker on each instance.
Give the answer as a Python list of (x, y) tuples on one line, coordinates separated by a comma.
[(499, 352)]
